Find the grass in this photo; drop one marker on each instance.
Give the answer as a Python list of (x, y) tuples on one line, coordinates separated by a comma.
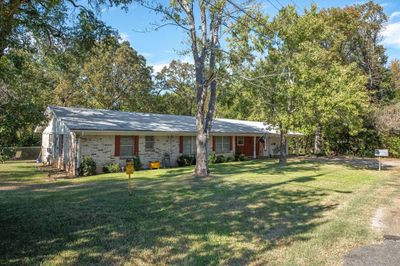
[(309, 213)]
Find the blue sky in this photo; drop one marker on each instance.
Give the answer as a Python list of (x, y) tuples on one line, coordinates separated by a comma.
[(160, 47)]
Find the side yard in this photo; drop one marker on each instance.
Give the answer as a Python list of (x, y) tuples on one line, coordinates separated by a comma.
[(312, 212)]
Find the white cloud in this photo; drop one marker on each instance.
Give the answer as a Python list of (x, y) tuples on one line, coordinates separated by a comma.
[(187, 59), (391, 35), (123, 37), (157, 67), (394, 14), (145, 54)]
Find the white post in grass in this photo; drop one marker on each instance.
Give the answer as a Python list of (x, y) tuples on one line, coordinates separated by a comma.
[(381, 153), (254, 148)]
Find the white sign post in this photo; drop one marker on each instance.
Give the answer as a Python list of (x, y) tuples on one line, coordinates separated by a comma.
[(381, 153)]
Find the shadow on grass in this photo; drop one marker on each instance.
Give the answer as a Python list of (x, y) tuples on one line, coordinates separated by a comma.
[(352, 163), (169, 220)]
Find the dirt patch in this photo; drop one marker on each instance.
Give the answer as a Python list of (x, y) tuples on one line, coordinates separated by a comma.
[(378, 219), (391, 218)]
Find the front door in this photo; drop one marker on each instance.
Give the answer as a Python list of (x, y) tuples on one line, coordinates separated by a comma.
[(247, 147)]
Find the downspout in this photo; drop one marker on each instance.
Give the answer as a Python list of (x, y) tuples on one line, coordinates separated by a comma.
[(254, 148), (78, 153)]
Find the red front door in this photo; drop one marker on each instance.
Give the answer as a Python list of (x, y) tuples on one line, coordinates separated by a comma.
[(248, 146)]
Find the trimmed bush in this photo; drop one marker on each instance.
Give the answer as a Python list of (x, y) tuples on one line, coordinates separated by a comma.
[(87, 166), (212, 158), (220, 159), (186, 160), (137, 164), (111, 168), (240, 157), (6, 153), (230, 159)]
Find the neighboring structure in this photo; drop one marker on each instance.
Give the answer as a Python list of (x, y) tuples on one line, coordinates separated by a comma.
[(113, 136)]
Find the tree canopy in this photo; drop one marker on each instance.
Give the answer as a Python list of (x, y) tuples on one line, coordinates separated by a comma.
[(322, 72)]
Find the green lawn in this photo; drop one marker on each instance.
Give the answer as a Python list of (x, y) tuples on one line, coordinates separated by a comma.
[(247, 213)]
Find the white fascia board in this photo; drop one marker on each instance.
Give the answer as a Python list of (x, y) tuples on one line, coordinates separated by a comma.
[(155, 133)]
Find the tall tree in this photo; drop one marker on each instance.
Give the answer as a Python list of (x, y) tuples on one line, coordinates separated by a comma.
[(202, 21), (360, 27), (176, 88), (25, 22), (395, 75), (117, 77), (67, 62), (35, 40), (298, 80), (25, 89)]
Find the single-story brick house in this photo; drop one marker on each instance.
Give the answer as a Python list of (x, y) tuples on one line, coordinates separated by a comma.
[(113, 136)]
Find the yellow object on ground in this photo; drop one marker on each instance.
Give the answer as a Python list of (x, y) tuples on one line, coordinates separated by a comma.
[(154, 165)]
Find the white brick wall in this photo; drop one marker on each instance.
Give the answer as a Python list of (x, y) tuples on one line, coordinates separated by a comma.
[(162, 144), (101, 149)]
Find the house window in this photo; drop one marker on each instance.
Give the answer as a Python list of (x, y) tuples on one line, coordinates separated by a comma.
[(126, 147), (240, 141), (51, 145), (189, 145), (60, 144), (222, 144), (149, 143)]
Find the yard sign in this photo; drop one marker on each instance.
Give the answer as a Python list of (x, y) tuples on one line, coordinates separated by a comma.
[(381, 153), (129, 169)]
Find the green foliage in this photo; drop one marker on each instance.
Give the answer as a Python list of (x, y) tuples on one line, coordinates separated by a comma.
[(240, 157), (116, 77), (306, 82), (186, 160), (177, 84), (87, 166), (230, 159), (393, 144), (220, 159), (47, 23), (6, 153), (25, 91), (112, 168), (137, 164), (212, 158), (395, 77)]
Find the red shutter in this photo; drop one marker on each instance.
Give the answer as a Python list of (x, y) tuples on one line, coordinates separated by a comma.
[(181, 144), (117, 145), (231, 143), (136, 145), (213, 143)]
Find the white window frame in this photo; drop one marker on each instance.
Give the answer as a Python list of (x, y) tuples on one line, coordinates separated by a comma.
[(192, 145), (126, 145), (238, 138), (149, 141), (223, 143), (60, 145)]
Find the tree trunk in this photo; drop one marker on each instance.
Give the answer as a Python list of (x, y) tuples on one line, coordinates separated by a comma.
[(318, 141), (203, 48), (201, 169), (282, 149)]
